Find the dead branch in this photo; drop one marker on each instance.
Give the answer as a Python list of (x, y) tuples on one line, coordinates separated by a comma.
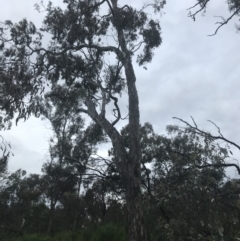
[(219, 166), (207, 134), (118, 116), (202, 9), (224, 21)]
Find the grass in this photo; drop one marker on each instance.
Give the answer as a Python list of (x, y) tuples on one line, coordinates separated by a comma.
[(102, 233), (66, 236)]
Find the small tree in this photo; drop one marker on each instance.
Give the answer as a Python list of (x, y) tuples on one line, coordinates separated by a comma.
[(70, 147)]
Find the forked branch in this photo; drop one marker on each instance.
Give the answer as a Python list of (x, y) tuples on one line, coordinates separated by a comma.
[(207, 134), (202, 5), (219, 165), (224, 21), (202, 8), (118, 116)]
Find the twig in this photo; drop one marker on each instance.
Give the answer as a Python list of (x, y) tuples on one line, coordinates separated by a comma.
[(208, 134), (225, 21), (193, 16)]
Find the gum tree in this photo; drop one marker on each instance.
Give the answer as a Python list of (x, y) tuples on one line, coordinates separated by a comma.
[(92, 47)]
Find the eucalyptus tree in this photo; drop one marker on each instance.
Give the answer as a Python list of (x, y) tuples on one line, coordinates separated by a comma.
[(11, 199), (22, 202), (186, 193), (57, 180), (5, 153), (70, 147), (77, 55), (72, 143)]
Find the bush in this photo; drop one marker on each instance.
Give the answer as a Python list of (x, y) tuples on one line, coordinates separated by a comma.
[(32, 237), (66, 236), (109, 232)]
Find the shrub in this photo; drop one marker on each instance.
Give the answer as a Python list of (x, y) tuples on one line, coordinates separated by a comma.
[(109, 232)]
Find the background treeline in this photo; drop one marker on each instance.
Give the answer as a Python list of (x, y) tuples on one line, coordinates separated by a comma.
[(81, 196)]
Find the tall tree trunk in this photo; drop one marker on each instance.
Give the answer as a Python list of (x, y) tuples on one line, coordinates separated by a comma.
[(137, 231), (103, 207), (129, 165), (50, 220), (75, 220), (77, 206)]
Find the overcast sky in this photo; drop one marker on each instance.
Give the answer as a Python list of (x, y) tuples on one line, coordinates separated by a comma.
[(191, 75)]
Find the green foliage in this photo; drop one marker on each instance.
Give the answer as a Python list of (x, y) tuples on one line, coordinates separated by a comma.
[(109, 233), (64, 236), (32, 237), (182, 200), (77, 55), (71, 236)]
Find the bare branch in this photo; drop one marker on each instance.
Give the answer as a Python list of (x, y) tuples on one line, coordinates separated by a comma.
[(100, 3), (194, 122), (137, 47), (118, 117), (103, 159), (148, 186), (219, 131), (82, 110), (202, 7), (207, 134), (219, 166), (103, 110), (111, 9), (225, 21), (126, 6), (80, 47)]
